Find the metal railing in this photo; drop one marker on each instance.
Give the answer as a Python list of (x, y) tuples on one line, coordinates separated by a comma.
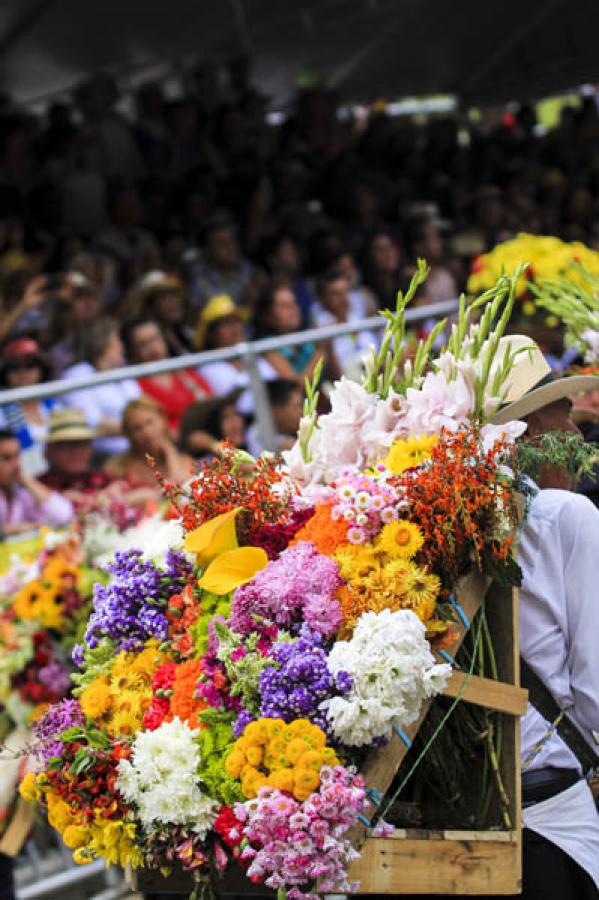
[(248, 352)]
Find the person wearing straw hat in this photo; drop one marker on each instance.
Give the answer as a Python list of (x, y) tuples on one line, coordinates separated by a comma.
[(222, 324), (558, 552), (69, 450)]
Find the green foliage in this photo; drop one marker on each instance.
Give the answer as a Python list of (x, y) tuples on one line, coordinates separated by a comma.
[(243, 672), (557, 448), (214, 742), (97, 662), (212, 605)]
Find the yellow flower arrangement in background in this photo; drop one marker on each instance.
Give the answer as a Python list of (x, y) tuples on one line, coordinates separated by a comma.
[(287, 757), (548, 257)]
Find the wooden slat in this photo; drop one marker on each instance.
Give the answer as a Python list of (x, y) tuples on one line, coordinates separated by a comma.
[(18, 829), (462, 866), (506, 698), (381, 765)]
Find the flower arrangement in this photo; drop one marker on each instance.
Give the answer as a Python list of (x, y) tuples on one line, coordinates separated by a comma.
[(227, 688), (548, 258), (574, 300)]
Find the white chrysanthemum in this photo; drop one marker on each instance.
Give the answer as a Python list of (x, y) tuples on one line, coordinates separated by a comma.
[(160, 779), (392, 670), (154, 535)]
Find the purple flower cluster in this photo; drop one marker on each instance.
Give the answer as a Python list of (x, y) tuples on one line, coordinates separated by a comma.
[(55, 677), (54, 721), (129, 610), (301, 682), (298, 587)]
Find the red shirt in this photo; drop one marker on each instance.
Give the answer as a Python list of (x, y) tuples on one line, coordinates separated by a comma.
[(185, 388)]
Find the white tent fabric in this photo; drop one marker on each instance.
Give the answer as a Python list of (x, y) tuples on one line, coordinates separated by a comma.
[(483, 50)]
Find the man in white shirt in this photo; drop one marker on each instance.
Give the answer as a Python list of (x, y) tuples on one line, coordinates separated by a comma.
[(559, 612)]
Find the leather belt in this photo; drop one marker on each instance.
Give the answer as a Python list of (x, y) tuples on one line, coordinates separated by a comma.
[(541, 784)]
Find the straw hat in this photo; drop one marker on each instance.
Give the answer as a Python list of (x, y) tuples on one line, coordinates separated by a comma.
[(531, 384), (158, 282), (67, 425), (219, 307)]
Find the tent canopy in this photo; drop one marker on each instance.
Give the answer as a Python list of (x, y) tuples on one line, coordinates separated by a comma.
[(486, 50)]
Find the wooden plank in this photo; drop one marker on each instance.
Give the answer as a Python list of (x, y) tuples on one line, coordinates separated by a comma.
[(413, 866), (18, 829), (381, 765), (506, 698), (427, 834)]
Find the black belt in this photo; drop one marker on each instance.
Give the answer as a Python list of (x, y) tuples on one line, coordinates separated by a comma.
[(541, 784)]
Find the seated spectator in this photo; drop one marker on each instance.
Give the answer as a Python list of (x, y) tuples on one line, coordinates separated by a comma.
[(162, 297), (221, 324), (362, 302), (222, 269), (146, 427), (424, 241), (286, 405), (22, 365), (206, 423), (25, 503), (172, 391), (335, 307), (69, 448), (71, 316), (382, 268), (278, 314), (283, 259), (100, 349)]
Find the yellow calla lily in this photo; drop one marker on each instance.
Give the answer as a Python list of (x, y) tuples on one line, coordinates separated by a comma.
[(213, 537), (232, 569)]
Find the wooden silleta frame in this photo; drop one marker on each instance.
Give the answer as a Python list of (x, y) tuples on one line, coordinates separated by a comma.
[(422, 862)]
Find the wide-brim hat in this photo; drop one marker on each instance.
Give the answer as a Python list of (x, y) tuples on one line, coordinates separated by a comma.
[(219, 307), (66, 425), (198, 414), (531, 384), (158, 282)]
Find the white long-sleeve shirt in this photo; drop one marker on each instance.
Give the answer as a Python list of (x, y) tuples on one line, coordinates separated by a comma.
[(559, 625)]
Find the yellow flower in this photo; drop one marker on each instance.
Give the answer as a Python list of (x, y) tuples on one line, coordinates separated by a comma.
[(420, 590), (282, 779), (355, 560), (407, 454), (529, 307), (257, 732), (96, 699), (59, 814), (75, 836), (400, 539), (82, 856), (123, 722), (213, 537), (233, 568), (28, 788)]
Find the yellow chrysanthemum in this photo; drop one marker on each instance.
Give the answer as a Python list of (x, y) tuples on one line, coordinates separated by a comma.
[(409, 453), (123, 722), (28, 788), (75, 836), (420, 590), (96, 699), (146, 662), (355, 560), (400, 540), (115, 841)]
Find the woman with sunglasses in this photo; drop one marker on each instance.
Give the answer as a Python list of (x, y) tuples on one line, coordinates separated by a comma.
[(23, 364)]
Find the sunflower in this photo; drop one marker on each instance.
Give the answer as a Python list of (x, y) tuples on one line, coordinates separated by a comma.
[(123, 722), (400, 539), (420, 590), (409, 453)]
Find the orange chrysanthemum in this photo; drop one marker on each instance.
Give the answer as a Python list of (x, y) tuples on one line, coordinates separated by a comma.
[(326, 533)]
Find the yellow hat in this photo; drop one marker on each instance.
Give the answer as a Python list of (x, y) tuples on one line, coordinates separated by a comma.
[(219, 307)]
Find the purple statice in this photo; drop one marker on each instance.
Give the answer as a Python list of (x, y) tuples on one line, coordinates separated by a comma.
[(130, 609), (52, 723), (300, 680), (298, 587), (55, 677), (242, 721)]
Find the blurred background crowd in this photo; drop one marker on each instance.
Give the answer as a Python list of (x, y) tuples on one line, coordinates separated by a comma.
[(195, 223)]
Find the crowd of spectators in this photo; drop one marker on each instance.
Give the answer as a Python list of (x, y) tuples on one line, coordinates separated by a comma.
[(195, 223)]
